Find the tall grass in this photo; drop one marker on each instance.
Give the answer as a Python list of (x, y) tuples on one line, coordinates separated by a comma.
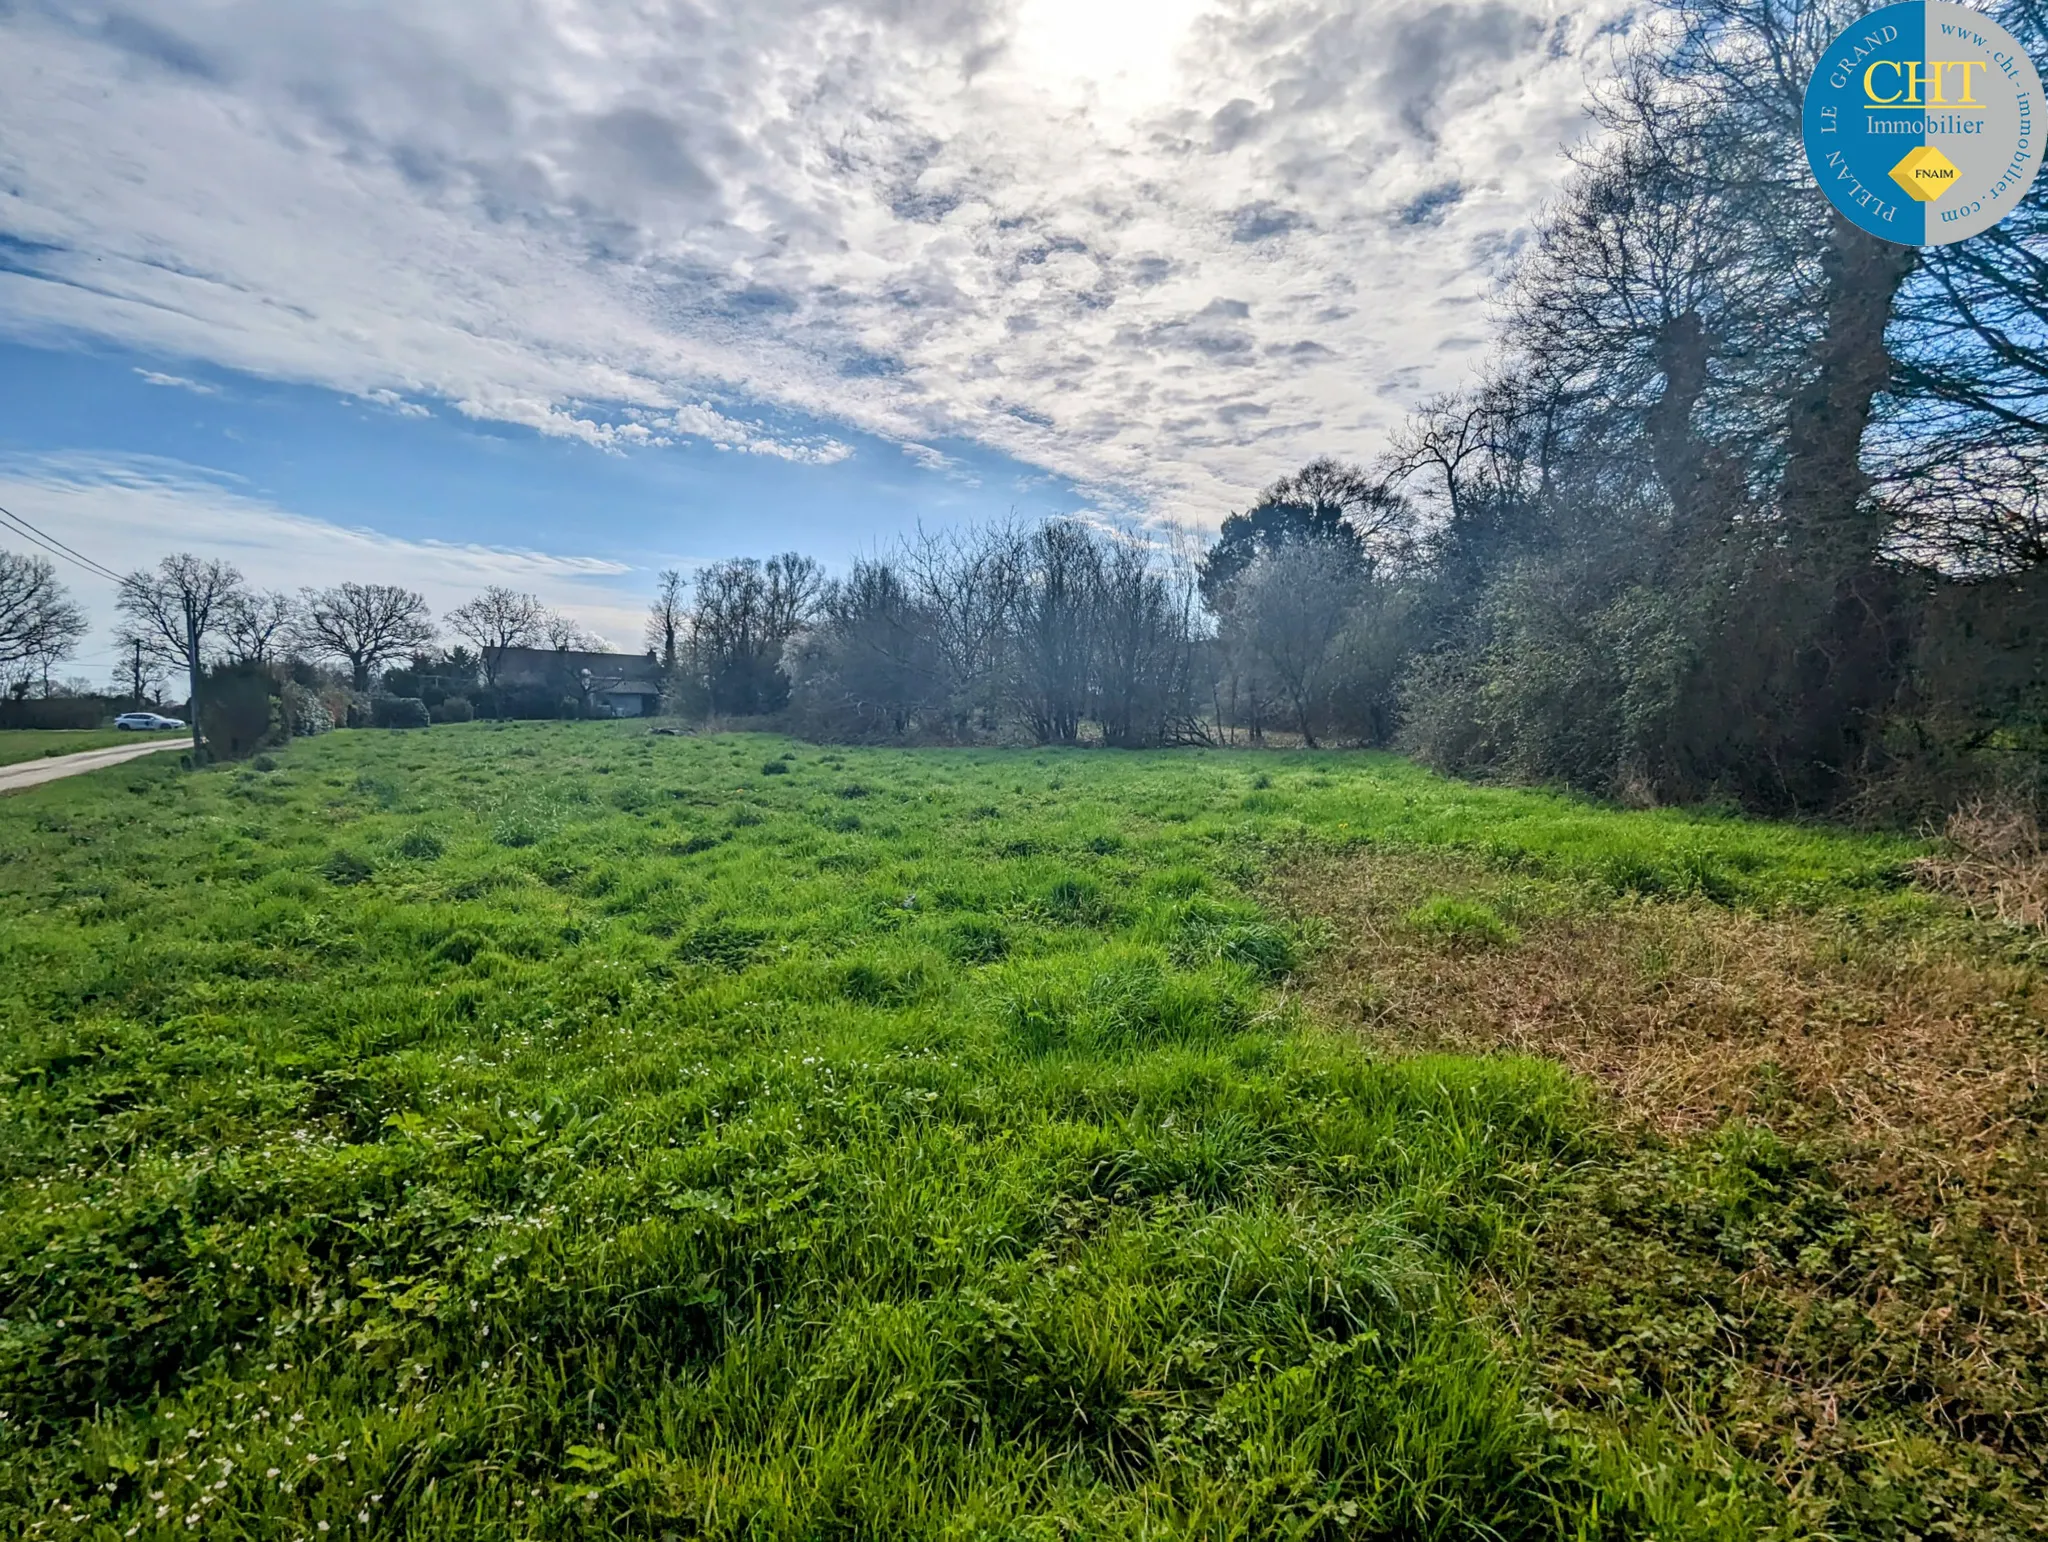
[(549, 1130)]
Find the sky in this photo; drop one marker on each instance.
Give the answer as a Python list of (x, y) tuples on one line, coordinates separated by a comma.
[(559, 293)]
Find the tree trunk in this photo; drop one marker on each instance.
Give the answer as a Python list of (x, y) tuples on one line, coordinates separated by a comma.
[(1824, 482)]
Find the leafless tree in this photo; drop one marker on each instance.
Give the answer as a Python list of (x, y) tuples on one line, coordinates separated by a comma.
[(968, 585), (178, 613), (39, 625), (668, 620), (495, 621), (257, 624), (746, 613), (565, 633), (1291, 606), (869, 667), (365, 626), (1143, 644), (1055, 630)]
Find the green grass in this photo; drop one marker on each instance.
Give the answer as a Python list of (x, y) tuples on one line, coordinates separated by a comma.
[(556, 1131), (20, 744)]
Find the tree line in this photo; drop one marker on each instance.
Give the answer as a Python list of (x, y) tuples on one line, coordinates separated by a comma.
[(1745, 504), (265, 662)]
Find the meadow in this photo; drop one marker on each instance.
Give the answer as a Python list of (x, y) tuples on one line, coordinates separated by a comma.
[(556, 1130)]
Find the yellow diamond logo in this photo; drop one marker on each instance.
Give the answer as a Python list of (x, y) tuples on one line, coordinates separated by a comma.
[(1925, 173)]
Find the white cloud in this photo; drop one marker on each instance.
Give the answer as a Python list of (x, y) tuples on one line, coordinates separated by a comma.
[(703, 421), (127, 511), (385, 397), (180, 382), (1170, 247), (927, 457)]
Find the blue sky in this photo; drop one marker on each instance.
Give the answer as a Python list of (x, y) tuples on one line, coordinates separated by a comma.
[(103, 447), (560, 292)]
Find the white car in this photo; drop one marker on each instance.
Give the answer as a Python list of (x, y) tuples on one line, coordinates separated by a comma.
[(146, 720)]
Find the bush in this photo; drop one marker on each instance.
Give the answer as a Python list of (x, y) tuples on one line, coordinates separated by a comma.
[(236, 713), (398, 712), (345, 708), (303, 712), (453, 709)]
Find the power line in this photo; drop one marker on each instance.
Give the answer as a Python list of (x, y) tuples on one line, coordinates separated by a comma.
[(55, 547), (45, 535)]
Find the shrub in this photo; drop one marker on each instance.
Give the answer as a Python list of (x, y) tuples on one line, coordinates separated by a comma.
[(398, 712), (1465, 926), (346, 708), (236, 712), (1996, 862), (304, 711), (453, 709)]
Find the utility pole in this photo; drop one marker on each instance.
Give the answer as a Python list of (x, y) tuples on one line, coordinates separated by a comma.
[(136, 675), (192, 662)]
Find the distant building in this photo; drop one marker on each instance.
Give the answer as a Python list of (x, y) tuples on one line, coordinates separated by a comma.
[(608, 684)]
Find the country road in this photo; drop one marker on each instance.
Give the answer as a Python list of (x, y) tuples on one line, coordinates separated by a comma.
[(32, 773)]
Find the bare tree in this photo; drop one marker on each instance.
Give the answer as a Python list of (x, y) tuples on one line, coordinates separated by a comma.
[(1142, 644), (746, 613), (257, 624), (668, 620), (39, 625), (565, 634), (495, 621), (869, 667), (1054, 634), (140, 675), (968, 586), (366, 626), (1291, 606), (793, 584), (178, 613)]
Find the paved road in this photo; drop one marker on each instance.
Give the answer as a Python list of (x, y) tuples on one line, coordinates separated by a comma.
[(31, 773)]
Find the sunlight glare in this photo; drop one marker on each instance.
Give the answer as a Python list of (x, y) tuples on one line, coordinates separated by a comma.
[(1119, 53)]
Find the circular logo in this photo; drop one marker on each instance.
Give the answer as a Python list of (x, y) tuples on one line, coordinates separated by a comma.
[(1924, 122)]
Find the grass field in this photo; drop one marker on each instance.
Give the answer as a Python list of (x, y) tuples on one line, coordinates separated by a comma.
[(551, 1130), (20, 744)]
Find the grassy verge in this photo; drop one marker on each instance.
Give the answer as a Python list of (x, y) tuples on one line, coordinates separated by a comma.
[(551, 1130), (24, 744)]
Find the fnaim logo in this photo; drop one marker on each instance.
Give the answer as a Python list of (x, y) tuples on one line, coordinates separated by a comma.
[(1924, 122)]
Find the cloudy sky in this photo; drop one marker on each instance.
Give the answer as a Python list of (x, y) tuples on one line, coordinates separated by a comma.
[(558, 292)]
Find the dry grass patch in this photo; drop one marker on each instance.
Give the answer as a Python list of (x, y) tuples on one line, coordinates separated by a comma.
[(1808, 1265), (1996, 863), (1689, 1013)]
